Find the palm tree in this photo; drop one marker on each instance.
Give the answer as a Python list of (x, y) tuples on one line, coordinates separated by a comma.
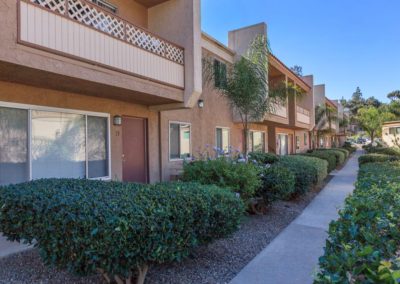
[(325, 114), (246, 85)]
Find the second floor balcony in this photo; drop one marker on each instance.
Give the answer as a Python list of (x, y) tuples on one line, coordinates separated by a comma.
[(83, 31), (303, 115)]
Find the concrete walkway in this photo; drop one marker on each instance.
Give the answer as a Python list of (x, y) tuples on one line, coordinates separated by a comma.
[(292, 257), (7, 248)]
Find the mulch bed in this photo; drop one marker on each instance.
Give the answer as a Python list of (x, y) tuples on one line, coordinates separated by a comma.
[(218, 262)]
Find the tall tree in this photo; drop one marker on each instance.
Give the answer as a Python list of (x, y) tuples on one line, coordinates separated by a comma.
[(371, 119), (394, 96), (372, 101), (298, 70), (357, 101)]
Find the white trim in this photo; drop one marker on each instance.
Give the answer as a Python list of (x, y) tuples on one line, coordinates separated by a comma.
[(52, 109), (229, 138), (31, 108), (265, 138), (169, 139)]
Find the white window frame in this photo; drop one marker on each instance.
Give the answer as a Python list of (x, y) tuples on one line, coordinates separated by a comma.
[(31, 108), (229, 137), (169, 139), (265, 139)]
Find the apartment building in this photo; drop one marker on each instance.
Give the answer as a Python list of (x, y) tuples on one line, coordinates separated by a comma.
[(113, 90), (327, 132), (391, 133)]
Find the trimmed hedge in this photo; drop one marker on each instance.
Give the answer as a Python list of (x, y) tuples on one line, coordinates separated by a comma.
[(87, 226), (324, 155), (243, 178), (278, 184), (308, 171), (263, 158), (349, 147), (364, 242), (344, 151), (383, 150), (339, 156), (376, 158)]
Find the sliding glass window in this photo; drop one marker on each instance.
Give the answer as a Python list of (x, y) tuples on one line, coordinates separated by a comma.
[(41, 143)]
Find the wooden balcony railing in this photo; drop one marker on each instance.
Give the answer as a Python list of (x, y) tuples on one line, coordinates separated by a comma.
[(83, 30)]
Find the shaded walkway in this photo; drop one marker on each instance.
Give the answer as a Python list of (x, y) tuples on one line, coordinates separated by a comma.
[(292, 257)]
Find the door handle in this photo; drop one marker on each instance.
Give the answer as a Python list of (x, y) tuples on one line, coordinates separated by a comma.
[(123, 158)]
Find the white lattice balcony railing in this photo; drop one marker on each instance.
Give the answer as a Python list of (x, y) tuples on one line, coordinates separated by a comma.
[(85, 30), (96, 17)]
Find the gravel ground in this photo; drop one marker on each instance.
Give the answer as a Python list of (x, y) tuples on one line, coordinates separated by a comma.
[(218, 262)]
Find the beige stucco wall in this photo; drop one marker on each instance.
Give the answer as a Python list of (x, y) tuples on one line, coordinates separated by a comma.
[(27, 65), (387, 137), (216, 113), (131, 11), (17, 93)]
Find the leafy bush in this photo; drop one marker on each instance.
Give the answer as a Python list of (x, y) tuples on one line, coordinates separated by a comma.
[(363, 243), (88, 226), (263, 158), (242, 178), (278, 184), (344, 151), (349, 147), (308, 171), (339, 156), (375, 158), (384, 150), (324, 155)]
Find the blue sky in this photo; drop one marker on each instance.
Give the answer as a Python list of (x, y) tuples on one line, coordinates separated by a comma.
[(344, 43)]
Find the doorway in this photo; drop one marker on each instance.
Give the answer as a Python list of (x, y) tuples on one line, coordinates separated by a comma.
[(283, 144), (134, 150)]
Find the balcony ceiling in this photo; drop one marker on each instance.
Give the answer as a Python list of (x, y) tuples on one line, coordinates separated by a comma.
[(150, 3)]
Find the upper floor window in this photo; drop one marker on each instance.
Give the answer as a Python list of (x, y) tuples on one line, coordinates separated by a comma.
[(257, 141), (394, 130), (179, 140), (222, 139), (219, 73), (106, 5)]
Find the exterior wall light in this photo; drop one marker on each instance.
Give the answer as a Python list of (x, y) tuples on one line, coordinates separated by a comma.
[(200, 103), (117, 120)]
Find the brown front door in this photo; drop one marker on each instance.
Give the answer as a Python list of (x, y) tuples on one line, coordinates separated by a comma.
[(134, 157)]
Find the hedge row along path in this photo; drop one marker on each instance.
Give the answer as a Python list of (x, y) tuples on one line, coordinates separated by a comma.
[(292, 257)]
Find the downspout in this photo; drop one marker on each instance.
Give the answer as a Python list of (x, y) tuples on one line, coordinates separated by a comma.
[(160, 147)]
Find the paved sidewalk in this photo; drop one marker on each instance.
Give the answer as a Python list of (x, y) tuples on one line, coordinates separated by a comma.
[(292, 257), (8, 248)]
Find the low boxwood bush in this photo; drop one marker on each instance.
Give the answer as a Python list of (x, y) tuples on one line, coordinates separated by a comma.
[(308, 171), (384, 150), (278, 184), (263, 158), (344, 151), (243, 178), (116, 228), (349, 147), (324, 155), (363, 244), (339, 156), (376, 158)]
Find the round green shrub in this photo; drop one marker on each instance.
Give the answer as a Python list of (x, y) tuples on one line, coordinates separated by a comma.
[(386, 151), (263, 158), (340, 157), (242, 178), (308, 171), (324, 155), (344, 151), (86, 226), (377, 158), (278, 184)]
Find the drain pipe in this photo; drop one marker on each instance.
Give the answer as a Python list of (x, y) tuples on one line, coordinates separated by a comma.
[(160, 162)]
